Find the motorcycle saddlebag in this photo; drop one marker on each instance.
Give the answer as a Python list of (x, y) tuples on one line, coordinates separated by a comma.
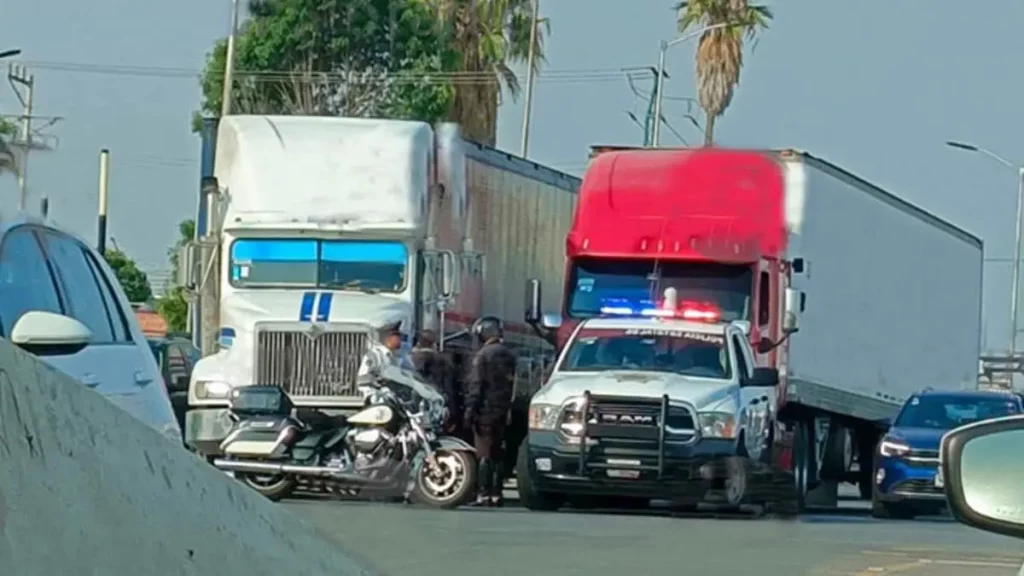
[(261, 401)]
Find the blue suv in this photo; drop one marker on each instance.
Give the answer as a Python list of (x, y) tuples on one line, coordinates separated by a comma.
[(907, 458)]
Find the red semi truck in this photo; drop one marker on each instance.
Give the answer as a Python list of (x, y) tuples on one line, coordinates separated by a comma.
[(889, 296)]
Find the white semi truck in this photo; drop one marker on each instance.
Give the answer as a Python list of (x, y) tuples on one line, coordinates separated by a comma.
[(324, 229)]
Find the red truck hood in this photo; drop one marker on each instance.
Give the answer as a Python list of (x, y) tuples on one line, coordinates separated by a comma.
[(707, 204)]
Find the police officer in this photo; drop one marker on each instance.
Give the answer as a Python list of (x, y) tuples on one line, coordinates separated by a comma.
[(488, 399), (390, 335), (436, 368)]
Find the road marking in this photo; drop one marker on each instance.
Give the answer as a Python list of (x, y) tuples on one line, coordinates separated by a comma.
[(892, 568), (955, 557)]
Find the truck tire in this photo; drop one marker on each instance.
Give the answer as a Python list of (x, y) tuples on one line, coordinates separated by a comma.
[(893, 511), (529, 497), (834, 464), (803, 463)]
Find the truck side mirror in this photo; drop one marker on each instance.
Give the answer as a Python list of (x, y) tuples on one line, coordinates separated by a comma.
[(449, 274), (550, 321), (533, 303), (187, 264), (793, 306)]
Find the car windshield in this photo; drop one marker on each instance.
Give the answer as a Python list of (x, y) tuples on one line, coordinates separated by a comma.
[(946, 413), (601, 284), (681, 352), (367, 266)]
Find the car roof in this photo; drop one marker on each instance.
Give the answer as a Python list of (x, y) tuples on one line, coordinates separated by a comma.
[(23, 218), (655, 323), (968, 394)]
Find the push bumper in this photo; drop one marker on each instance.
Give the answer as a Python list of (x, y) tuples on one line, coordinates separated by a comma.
[(206, 428)]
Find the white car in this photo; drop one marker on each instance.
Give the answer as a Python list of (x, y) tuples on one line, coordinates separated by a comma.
[(643, 408), (60, 301)]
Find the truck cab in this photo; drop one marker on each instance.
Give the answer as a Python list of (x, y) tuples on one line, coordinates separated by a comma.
[(657, 403)]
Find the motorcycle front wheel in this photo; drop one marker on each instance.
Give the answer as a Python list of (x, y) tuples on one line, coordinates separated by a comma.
[(450, 483)]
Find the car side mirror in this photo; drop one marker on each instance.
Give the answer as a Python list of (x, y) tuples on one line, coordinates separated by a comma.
[(49, 334), (551, 321), (762, 377), (982, 480), (532, 313)]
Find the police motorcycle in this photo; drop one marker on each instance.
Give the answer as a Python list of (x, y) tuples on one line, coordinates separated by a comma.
[(389, 447)]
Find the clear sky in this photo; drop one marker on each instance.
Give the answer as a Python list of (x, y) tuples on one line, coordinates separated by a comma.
[(875, 86)]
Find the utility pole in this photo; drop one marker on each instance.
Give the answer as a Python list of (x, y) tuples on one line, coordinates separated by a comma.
[(229, 63), (18, 75), (101, 233), (531, 64)]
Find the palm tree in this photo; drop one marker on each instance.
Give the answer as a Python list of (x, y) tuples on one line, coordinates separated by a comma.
[(490, 35), (720, 51)]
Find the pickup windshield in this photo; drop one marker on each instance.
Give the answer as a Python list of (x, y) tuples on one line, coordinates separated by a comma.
[(596, 284), (358, 265), (662, 350)]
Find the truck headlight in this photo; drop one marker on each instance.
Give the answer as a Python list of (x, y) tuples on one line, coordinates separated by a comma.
[(544, 416), (212, 390), (717, 425)]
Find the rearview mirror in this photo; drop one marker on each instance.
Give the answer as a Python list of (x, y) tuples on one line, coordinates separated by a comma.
[(763, 377), (49, 334), (792, 307), (449, 274), (533, 295), (982, 477), (187, 264), (551, 321)]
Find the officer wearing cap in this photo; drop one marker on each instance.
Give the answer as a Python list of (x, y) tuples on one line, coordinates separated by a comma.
[(488, 400), (390, 335)]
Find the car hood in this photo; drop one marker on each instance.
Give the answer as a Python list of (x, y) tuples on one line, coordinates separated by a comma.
[(701, 392), (918, 438)]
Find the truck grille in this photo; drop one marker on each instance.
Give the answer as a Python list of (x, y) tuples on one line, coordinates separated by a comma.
[(307, 366)]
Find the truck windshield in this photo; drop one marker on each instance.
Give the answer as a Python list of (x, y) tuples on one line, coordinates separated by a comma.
[(596, 284), (690, 353), (948, 412), (369, 266)]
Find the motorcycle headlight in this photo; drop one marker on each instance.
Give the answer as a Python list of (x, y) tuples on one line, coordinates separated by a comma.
[(717, 425)]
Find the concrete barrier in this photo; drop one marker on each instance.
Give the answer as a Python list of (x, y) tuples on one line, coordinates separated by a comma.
[(86, 489)]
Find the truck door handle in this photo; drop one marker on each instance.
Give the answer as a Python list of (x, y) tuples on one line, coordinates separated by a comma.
[(90, 380), (141, 378)]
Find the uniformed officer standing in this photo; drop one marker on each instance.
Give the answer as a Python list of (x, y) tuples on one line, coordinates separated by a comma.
[(488, 399)]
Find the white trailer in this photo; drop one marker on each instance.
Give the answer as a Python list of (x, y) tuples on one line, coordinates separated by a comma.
[(328, 228), (893, 307)]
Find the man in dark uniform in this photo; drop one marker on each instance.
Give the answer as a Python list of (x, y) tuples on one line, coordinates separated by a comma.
[(488, 399), (436, 368)]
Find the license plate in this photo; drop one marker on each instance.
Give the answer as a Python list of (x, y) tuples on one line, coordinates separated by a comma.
[(938, 479), (626, 474)]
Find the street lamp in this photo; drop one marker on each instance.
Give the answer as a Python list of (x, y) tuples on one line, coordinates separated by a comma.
[(9, 53), (659, 82), (1015, 281)]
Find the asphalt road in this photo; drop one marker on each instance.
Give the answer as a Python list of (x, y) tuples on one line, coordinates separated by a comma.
[(398, 540)]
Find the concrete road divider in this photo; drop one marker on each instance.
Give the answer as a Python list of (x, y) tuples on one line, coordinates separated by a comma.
[(85, 489)]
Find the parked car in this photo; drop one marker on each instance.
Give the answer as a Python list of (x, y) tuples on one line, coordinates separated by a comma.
[(175, 356), (907, 458), (60, 301), (983, 476)]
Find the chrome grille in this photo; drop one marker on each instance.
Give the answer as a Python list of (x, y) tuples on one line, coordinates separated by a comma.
[(322, 366)]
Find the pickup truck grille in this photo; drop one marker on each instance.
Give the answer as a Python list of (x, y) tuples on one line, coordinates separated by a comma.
[(306, 366)]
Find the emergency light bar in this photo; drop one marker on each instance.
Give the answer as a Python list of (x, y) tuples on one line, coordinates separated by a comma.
[(694, 311)]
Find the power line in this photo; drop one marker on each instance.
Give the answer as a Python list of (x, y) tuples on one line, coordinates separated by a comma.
[(554, 76)]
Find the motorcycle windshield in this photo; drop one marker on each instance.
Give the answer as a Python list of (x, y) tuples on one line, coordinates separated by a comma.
[(410, 379)]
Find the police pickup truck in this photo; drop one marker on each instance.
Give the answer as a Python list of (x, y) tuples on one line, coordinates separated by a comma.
[(657, 407)]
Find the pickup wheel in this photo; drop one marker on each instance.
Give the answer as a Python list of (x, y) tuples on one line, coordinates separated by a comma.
[(529, 496)]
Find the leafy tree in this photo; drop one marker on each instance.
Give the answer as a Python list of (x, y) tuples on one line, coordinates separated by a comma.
[(132, 279), (720, 51), (173, 306), (7, 158), (360, 58), (490, 36)]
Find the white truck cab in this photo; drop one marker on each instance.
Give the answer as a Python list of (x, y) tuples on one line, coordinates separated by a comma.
[(650, 407)]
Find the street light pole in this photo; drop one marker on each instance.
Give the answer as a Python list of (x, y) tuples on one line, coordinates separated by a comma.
[(1019, 231), (659, 82), (229, 63), (531, 64)]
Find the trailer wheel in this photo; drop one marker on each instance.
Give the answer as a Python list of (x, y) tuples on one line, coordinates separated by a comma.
[(803, 462)]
